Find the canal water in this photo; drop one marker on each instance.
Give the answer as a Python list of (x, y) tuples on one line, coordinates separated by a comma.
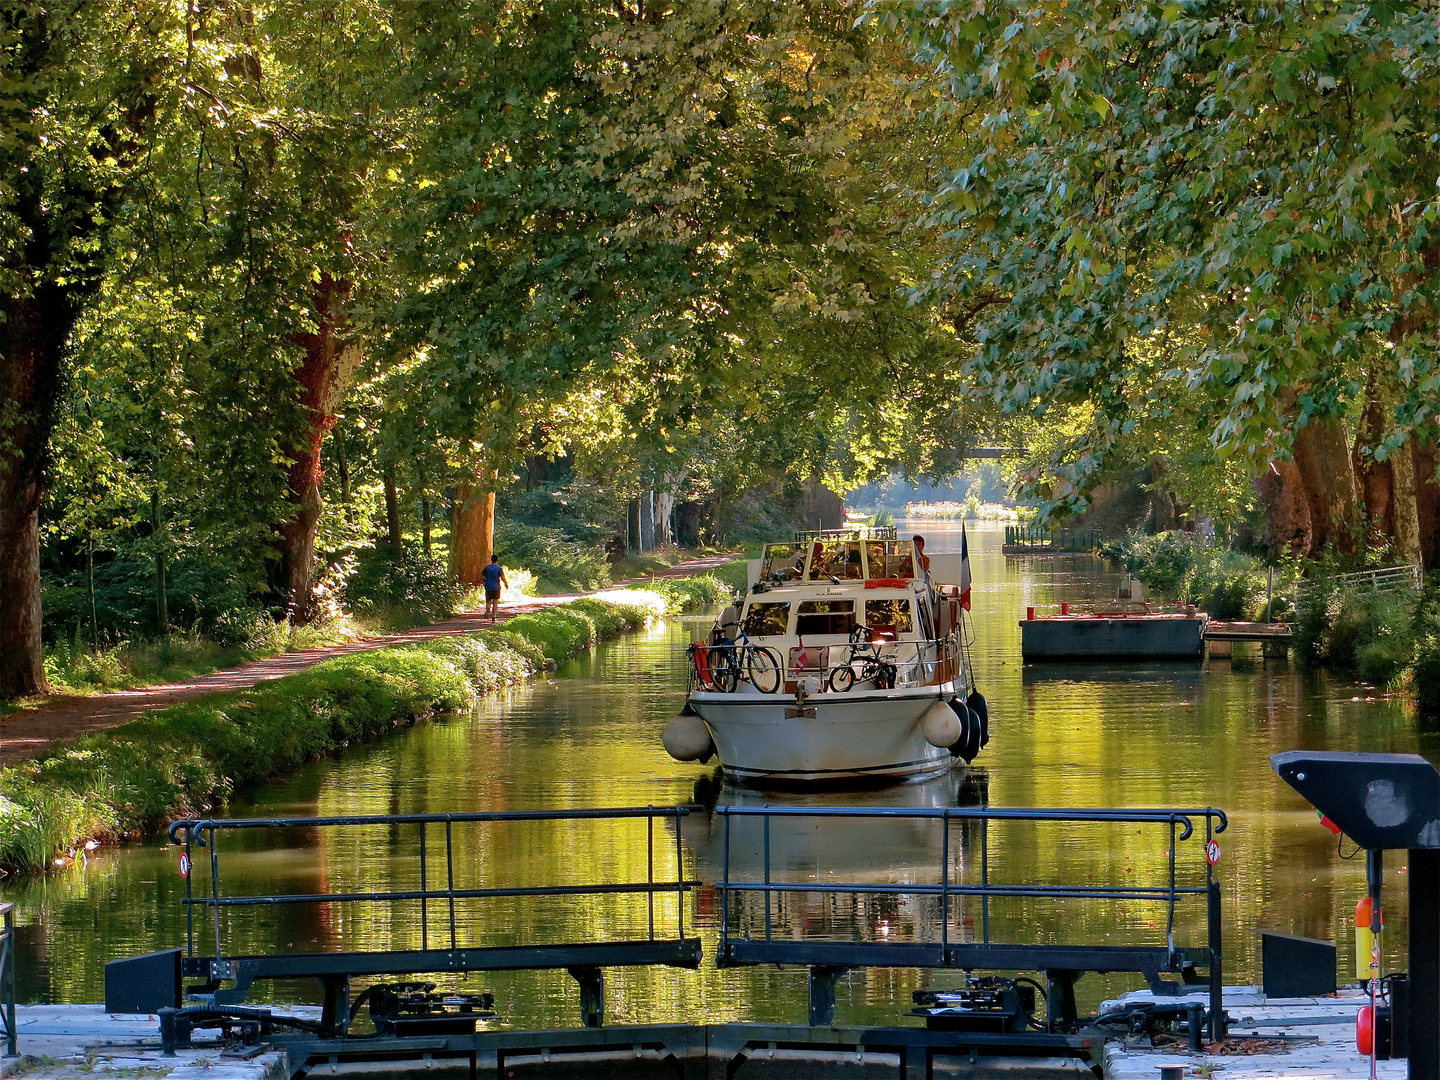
[(1098, 735)]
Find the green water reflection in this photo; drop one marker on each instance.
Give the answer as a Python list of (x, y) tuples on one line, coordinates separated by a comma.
[(1091, 735)]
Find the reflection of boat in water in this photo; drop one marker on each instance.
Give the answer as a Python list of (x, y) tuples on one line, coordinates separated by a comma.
[(874, 849), (844, 664)]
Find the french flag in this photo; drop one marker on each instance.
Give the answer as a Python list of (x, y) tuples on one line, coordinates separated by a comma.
[(964, 568)]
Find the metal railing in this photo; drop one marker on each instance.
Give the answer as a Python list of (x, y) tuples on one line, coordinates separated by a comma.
[(750, 937), (1035, 538), (205, 834), (1389, 579), (854, 532), (731, 667), (7, 978)]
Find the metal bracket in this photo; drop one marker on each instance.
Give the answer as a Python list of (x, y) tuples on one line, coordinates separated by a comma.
[(822, 993), (242, 971), (592, 994)]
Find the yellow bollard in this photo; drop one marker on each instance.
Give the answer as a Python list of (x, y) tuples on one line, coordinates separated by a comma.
[(1365, 940)]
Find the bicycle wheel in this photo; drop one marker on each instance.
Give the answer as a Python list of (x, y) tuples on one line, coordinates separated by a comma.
[(726, 673), (842, 679), (764, 667)]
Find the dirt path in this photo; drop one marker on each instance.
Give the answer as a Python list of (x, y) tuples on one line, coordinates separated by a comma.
[(27, 733)]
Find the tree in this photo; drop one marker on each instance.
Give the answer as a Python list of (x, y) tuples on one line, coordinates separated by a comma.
[(83, 89), (1261, 174)]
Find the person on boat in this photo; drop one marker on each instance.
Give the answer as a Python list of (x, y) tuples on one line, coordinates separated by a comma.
[(493, 577), (923, 565), (920, 555), (853, 568)]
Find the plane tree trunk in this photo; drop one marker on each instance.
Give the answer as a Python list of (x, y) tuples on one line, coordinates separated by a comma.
[(472, 531), (32, 337), (1322, 456), (323, 377)]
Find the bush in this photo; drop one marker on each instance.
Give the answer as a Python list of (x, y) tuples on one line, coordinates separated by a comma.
[(410, 590), (558, 563), (1425, 655), (1177, 566)]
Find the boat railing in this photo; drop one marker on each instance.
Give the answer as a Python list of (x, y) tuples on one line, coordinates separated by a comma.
[(854, 532), (751, 667)]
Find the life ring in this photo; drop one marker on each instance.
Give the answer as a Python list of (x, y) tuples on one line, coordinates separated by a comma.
[(701, 656)]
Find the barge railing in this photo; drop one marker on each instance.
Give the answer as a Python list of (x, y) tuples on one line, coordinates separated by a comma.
[(748, 937), (201, 841)]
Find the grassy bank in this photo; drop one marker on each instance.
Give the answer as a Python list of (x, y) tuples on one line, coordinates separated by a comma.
[(190, 758)]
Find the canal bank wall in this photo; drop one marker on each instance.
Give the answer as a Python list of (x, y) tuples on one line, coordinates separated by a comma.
[(190, 758)]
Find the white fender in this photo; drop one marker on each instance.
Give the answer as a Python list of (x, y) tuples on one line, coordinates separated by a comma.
[(940, 725), (688, 739)]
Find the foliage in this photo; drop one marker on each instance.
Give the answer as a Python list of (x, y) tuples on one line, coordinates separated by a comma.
[(1205, 216), (558, 563), (412, 589), (1178, 566)]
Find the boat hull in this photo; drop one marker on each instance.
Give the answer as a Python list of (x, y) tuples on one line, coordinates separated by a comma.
[(857, 739), (1122, 638)]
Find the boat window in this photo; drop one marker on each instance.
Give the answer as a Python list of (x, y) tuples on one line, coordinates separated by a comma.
[(927, 629), (853, 568), (825, 617), (891, 616), (783, 562), (767, 619)]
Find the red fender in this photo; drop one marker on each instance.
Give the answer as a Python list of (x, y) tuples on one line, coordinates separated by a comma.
[(1365, 1030)]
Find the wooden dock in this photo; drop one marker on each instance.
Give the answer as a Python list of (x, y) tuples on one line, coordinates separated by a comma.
[(1218, 630), (1275, 638)]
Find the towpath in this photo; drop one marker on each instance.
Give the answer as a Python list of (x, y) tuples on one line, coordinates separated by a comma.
[(27, 733)]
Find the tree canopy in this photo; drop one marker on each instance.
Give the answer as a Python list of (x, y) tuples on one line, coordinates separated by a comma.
[(276, 277)]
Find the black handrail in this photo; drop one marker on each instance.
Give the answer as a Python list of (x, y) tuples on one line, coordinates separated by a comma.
[(1181, 823), (7, 978), (193, 833)]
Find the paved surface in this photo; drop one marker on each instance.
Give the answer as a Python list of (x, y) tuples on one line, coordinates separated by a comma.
[(68, 1041), (1324, 1049), (30, 732)]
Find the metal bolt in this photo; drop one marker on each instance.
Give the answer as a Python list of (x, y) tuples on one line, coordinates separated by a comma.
[(1171, 1072)]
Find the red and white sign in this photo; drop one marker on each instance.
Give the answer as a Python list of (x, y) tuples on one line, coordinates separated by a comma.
[(184, 865), (1212, 853)]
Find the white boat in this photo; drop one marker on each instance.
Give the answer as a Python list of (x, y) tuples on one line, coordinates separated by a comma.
[(843, 665)]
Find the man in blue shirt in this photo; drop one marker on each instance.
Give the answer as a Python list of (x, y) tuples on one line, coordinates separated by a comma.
[(494, 577)]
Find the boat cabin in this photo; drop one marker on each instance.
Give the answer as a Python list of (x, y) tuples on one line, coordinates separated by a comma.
[(807, 599)]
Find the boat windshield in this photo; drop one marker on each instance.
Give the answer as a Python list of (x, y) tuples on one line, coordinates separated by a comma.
[(783, 562), (767, 619), (838, 559), (890, 558)]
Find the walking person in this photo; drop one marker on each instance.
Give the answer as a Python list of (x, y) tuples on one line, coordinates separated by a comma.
[(494, 578)]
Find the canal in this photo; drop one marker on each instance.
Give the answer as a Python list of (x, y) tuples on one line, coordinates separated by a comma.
[(1080, 736)]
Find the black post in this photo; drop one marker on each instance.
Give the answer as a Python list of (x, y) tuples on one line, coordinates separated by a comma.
[(1424, 874), (1217, 977), (592, 995)]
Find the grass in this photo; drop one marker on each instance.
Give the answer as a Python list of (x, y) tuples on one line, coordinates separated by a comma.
[(189, 758)]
